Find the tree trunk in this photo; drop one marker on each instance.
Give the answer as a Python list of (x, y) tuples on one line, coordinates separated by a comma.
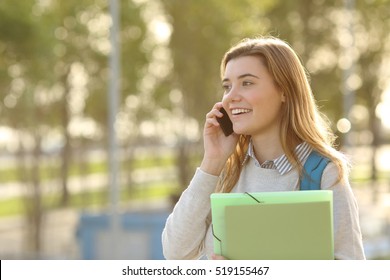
[(66, 150), (36, 211), (374, 125), (29, 174)]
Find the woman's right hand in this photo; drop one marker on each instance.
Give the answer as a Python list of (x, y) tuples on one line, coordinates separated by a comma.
[(217, 146)]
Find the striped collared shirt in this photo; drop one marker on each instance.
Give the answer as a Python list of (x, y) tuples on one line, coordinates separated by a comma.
[(281, 164)]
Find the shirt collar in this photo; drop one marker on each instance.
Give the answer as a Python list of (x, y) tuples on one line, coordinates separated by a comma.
[(281, 164)]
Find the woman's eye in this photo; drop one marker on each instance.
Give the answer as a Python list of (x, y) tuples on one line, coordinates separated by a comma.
[(247, 83), (226, 87)]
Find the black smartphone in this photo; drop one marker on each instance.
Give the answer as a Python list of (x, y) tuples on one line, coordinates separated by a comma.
[(225, 122)]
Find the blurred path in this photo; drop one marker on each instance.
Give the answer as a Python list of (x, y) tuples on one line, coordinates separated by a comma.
[(59, 237), (59, 240)]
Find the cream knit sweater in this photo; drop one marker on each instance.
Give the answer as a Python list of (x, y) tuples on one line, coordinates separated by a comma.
[(187, 233)]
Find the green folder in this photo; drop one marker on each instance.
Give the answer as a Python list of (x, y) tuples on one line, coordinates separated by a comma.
[(273, 225)]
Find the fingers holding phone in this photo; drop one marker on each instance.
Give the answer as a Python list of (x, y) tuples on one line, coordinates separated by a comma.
[(217, 121), (219, 140)]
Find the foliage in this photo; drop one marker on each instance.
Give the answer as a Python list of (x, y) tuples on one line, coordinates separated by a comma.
[(45, 46)]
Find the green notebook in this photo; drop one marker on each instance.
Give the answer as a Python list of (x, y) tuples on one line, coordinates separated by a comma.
[(273, 225)]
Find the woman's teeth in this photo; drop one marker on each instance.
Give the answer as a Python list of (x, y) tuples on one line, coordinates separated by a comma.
[(240, 111)]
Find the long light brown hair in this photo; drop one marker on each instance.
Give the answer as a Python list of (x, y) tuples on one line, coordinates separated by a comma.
[(301, 119)]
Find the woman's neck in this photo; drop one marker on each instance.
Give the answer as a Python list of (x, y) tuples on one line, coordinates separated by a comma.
[(267, 148)]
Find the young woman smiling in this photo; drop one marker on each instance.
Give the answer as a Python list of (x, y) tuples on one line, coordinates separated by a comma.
[(276, 125)]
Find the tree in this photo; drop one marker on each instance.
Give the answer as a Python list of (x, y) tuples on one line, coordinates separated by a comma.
[(82, 33), (372, 36), (55, 74), (25, 52)]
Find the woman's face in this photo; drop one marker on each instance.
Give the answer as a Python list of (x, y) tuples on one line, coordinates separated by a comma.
[(251, 98)]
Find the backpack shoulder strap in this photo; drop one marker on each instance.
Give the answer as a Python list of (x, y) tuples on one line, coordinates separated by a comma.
[(312, 173)]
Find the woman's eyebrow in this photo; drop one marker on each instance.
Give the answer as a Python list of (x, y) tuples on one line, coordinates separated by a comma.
[(248, 75), (242, 76)]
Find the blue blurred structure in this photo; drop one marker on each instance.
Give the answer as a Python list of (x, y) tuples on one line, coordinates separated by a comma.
[(139, 236)]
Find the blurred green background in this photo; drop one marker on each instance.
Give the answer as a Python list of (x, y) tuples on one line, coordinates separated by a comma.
[(54, 111)]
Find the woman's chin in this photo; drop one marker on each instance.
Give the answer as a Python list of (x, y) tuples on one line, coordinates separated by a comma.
[(239, 130)]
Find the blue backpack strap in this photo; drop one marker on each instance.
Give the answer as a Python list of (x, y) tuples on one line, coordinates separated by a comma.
[(312, 173)]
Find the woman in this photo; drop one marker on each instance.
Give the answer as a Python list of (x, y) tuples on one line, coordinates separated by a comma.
[(276, 125)]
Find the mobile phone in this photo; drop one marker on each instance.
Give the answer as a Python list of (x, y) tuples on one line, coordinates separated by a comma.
[(225, 122)]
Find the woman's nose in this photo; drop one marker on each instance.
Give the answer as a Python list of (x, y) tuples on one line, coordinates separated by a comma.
[(233, 95)]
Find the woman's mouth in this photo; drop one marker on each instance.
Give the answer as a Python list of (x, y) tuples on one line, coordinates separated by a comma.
[(240, 111)]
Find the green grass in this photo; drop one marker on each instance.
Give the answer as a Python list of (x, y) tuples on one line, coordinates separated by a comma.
[(48, 172), (362, 174), (100, 198), (11, 207), (146, 191)]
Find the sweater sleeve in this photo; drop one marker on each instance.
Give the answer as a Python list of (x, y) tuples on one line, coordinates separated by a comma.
[(348, 242), (185, 229)]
